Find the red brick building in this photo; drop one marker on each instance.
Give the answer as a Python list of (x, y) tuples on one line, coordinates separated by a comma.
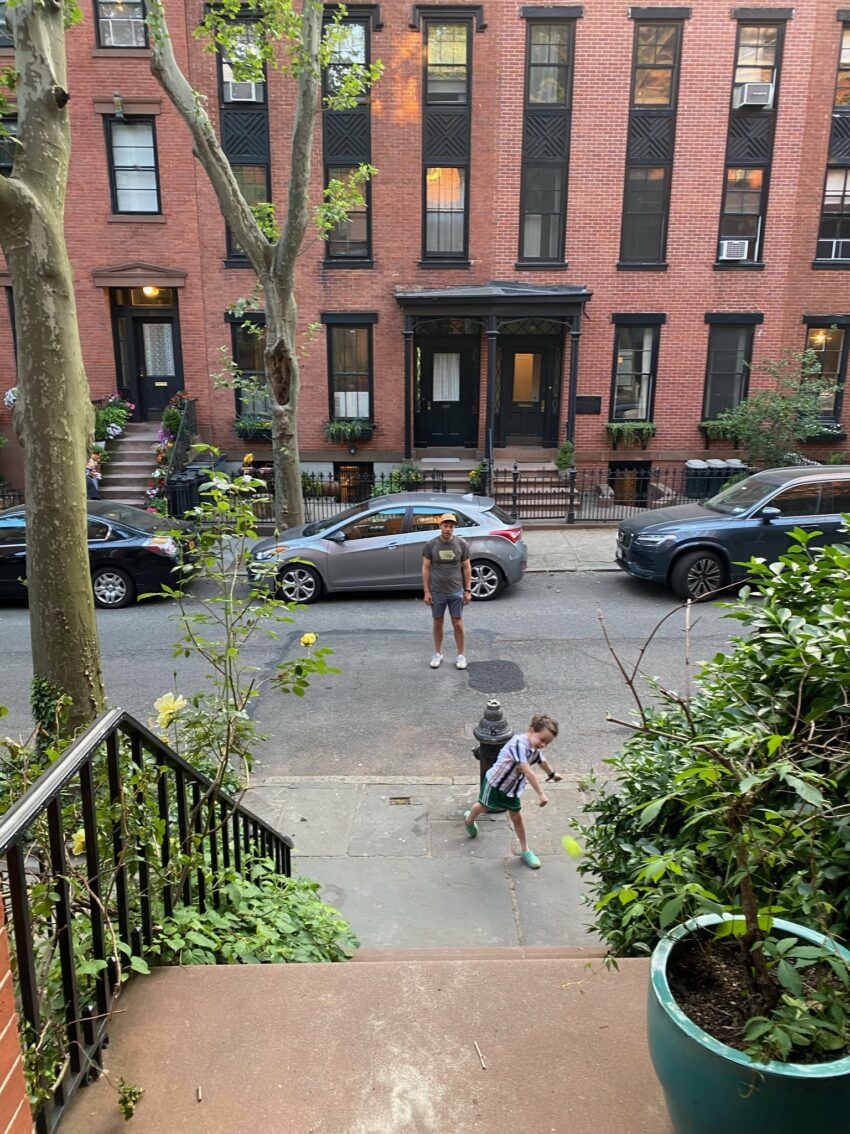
[(584, 214)]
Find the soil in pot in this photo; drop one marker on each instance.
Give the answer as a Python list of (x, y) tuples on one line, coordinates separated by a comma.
[(709, 982)]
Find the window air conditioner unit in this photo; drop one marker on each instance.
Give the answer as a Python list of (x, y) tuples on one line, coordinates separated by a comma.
[(733, 249), (753, 94), (242, 92)]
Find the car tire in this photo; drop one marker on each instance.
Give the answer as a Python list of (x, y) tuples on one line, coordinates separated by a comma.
[(488, 582), (698, 575), (113, 588), (298, 583)]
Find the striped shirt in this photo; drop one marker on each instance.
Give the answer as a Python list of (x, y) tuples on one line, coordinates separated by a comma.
[(507, 773)]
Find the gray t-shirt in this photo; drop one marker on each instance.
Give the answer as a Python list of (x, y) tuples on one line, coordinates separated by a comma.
[(446, 557)]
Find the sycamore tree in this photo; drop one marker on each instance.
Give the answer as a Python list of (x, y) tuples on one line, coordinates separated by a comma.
[(53, 411), (257, 36)]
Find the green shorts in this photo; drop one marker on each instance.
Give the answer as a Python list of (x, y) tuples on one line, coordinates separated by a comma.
[(495, 800)]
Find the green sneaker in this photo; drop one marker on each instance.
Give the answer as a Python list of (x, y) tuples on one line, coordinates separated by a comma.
[(471, 828), (531, 859)]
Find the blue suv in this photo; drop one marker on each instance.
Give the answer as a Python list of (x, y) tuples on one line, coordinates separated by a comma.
[(698, 549)]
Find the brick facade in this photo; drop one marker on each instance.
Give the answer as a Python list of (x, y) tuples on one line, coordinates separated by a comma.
[(189, 236), (14, 1107)]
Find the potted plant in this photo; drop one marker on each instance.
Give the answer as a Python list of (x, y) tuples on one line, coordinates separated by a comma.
[(630, 432), (565, 458), (475, 476), (346, 430), (729, 810), (253, 427)]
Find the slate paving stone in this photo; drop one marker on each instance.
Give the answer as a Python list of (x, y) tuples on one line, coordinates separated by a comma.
[(450, 840), (386, 828), (548, 902), (319, 819)]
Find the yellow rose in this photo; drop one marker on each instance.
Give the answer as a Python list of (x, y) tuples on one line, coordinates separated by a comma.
[(307, 640), (78, 842), (246, 460), (168, 706)]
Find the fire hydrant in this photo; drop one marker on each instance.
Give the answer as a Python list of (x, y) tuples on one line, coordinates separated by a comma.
[(492, 732)]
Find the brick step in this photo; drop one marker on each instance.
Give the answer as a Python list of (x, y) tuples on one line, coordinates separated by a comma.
[(484, 953)]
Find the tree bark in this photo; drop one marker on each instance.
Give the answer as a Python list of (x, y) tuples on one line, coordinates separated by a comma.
[(274, 263), (53, 408)]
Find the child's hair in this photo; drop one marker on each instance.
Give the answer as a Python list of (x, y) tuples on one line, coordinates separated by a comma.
[(541, 723)]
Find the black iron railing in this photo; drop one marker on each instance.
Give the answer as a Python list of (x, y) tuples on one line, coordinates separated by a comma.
[(188, 430), (157, 833), (598, 495), (325, 494), (10, 497)]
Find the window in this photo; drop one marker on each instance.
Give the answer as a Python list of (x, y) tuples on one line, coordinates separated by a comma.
[(549, 52), (389, 522), (121, 23), (12, 530), (634, 373), (98, 531), (798, 500), (349, 239), (350, 371), (729, 355), (834, 231), (8, 146), (758, 49), (656, 62), (829, 344), (447, 63), (428, 519), (741, 218), (548, 95), (253, 180), (445, 211), (132, 166), (349, 50), (644, 214), (652, 132), (5, 31), (241, 67), (248, 347)]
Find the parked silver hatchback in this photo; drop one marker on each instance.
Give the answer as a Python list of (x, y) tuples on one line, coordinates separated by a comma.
[(377, 546)]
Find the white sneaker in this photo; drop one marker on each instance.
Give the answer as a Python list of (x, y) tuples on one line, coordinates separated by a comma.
[(436, 661), (461, 661)]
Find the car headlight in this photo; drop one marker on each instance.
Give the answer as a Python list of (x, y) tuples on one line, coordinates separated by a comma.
[(268, 553), (654, 540)]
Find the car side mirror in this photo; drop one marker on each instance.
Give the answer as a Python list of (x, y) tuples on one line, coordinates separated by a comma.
[(337, 536), (768, 514)]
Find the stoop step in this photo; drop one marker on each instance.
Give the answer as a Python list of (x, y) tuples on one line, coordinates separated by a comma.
[(485, 953)]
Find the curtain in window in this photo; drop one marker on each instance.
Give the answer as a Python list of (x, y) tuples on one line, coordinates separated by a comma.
[(446, 378)]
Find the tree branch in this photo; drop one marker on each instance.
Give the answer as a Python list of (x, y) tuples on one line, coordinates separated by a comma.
[(207, 148)]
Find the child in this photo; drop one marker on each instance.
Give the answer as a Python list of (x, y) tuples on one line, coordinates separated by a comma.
[(505, 781)]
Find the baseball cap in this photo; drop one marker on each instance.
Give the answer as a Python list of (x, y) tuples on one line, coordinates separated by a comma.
[(448, 518)]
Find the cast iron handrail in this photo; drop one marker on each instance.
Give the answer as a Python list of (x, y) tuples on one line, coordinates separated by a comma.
[(190, 806), (179, 457)]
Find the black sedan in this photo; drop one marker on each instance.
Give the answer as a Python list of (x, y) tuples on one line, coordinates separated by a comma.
[(127, 554)]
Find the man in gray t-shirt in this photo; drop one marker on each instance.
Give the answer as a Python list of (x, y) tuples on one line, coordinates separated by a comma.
[(447, 582)]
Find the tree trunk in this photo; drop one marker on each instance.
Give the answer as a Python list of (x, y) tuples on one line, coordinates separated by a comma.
[(53, 408)]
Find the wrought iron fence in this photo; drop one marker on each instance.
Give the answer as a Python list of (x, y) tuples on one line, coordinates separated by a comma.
[(598, 495), (325, 493), (157, 834), (10, 497), (179, 456)]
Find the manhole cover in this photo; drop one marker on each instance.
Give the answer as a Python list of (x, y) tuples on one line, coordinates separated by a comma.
[(496, 676)]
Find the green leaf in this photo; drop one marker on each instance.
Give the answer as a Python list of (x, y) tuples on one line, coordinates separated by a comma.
[(806, 791), (139, 965), (789, 977)]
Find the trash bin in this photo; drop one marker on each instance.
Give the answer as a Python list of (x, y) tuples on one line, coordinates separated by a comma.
[(181, 490), (736, 466), (696, 479), (716, 475)]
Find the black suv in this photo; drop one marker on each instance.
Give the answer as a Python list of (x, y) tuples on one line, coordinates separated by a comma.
[(697, 549)]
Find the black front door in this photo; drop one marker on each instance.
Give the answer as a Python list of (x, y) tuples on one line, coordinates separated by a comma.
[(447, 391), (146, 327), (156, 357), (527, 400)]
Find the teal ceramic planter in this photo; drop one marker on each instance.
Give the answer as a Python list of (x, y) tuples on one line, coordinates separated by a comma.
[(708, 1086)]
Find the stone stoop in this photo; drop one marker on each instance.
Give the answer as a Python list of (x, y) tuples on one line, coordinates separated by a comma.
[(125, 477), (442, 1042)]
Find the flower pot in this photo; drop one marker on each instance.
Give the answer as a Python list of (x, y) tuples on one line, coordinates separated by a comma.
[(258, 434), (714, 1089)]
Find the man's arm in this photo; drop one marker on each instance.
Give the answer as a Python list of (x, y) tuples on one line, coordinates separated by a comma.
[(467, 576), (426, 579)]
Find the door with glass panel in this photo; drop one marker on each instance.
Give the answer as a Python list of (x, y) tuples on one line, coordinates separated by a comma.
[(447, 391), (527, 373), (159, 372)]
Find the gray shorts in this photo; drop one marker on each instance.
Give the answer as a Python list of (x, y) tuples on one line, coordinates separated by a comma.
[(453, 601)]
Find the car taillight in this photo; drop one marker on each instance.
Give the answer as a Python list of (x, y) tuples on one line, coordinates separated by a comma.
[(163, 545), (513, 534)]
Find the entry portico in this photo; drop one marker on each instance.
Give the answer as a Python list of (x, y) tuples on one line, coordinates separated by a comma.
[(525, 327)]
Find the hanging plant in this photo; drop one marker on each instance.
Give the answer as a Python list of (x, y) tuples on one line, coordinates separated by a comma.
[(348, 429), (630, 432)]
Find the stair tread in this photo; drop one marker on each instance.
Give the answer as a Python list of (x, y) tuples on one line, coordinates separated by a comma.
[(482, 953)]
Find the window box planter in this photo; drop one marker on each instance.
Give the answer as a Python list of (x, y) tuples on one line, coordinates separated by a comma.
[(630, 433), (251, 428), (717, 431), (346, 430)]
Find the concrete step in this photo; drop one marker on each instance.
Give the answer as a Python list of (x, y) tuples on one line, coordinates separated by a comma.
[(127, 480), (394, 1047), (485, 953)]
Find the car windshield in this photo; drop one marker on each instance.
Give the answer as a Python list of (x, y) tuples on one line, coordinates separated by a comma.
[(740, 497), (319, 526)]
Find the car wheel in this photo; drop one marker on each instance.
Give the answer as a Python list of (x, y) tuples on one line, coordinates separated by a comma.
[(487, 581), (112, 587), (297, 583), (698, 575)]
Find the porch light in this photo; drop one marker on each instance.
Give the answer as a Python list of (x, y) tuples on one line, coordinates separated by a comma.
[(118, 105), (150, 291)]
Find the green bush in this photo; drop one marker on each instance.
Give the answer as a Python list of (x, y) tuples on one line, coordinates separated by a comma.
[(171, 418), (401, 479)]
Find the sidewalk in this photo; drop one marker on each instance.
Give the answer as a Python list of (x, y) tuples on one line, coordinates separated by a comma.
[(571, 548)]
